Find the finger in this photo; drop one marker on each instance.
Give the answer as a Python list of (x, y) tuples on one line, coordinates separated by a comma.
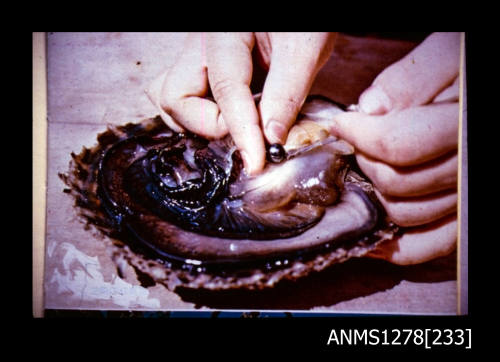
[(184, 87), (411, 136), (294, 65), (154, 95), (230, 71), (430, 177), (417, 78), (420, 244), (419, 210)]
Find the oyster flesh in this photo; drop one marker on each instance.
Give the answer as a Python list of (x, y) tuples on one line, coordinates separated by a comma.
[(181, 209)]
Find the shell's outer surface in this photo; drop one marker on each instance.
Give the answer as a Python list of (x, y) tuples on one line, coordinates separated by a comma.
[(176, 256)]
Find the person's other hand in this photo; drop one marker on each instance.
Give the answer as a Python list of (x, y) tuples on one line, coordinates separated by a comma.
[(406, 137), (223, 63)]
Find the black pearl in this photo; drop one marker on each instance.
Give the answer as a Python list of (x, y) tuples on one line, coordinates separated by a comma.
[(276, 153)]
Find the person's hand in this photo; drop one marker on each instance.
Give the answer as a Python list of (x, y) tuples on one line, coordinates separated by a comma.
[(406, 137), (223, 62)]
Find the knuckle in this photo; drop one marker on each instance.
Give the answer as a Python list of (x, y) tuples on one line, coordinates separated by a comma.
[(224, 88)]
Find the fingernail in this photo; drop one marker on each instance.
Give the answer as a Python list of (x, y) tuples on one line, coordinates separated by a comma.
[(276, 132), (375, 101)]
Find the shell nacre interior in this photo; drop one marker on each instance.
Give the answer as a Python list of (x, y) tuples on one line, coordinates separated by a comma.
[(181, 208)]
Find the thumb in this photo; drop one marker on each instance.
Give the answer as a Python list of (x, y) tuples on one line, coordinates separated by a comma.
[(415, 79)]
